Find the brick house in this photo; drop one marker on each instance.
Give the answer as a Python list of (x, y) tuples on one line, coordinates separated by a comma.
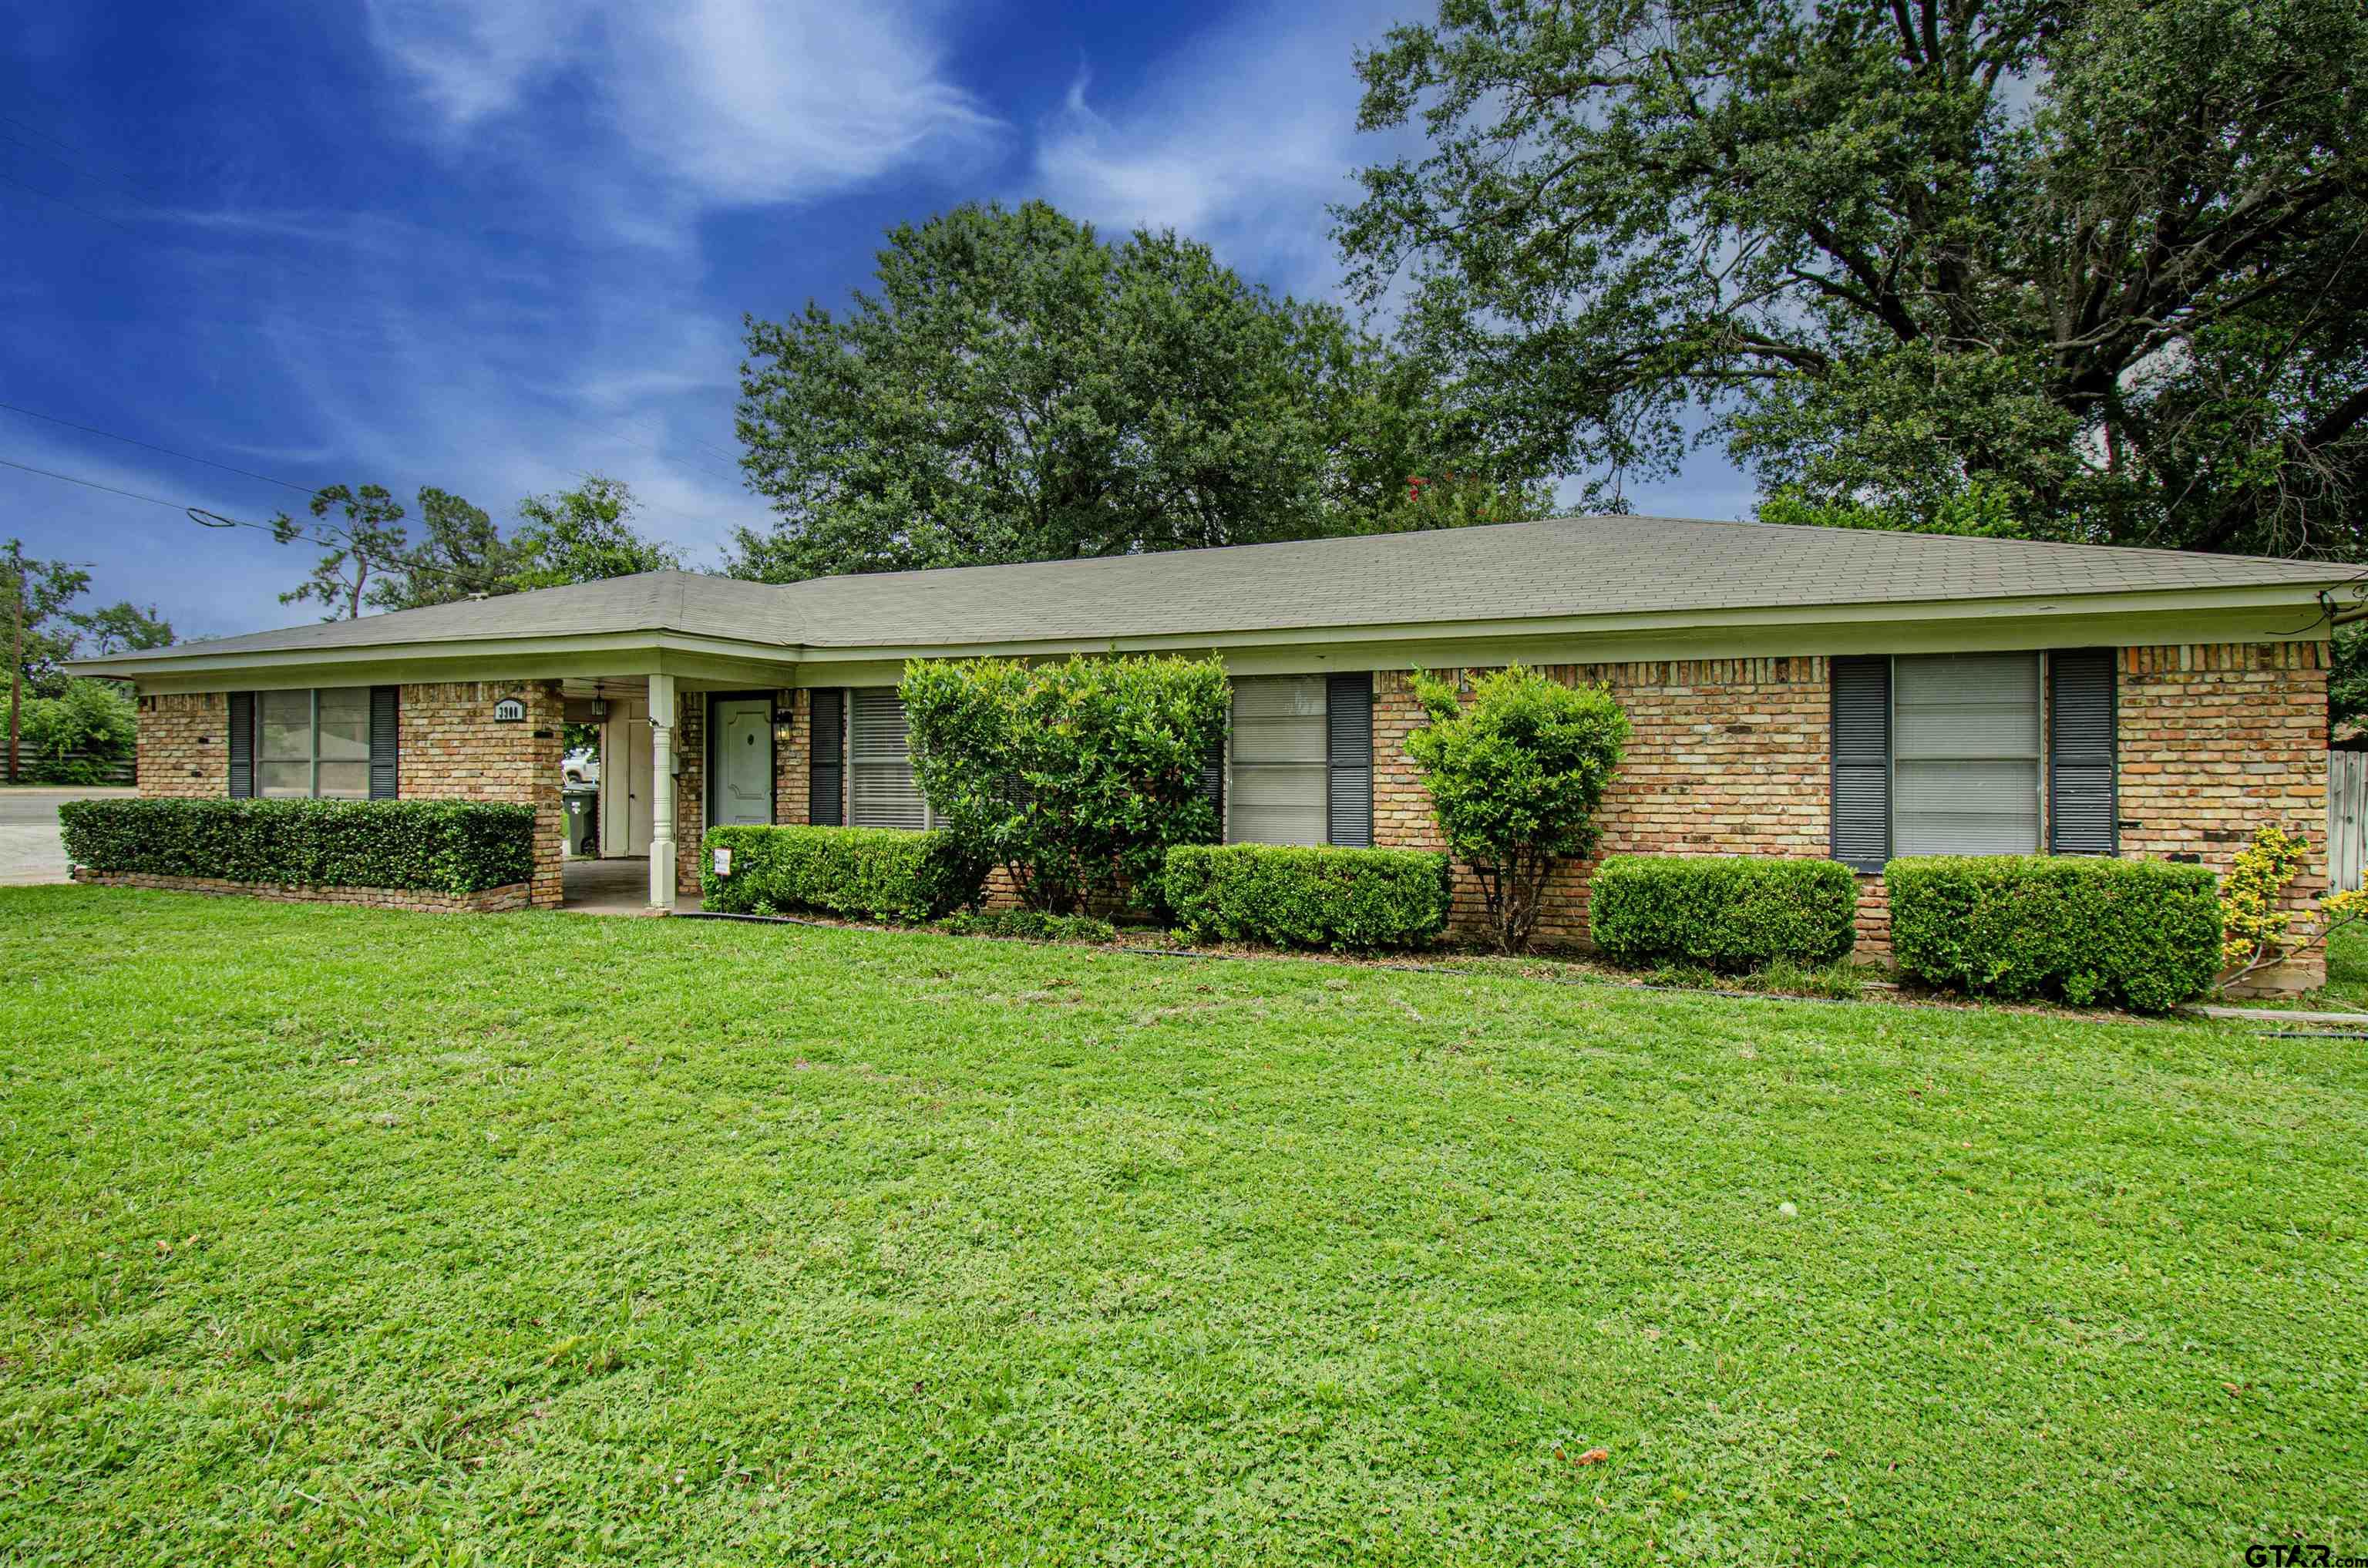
[(1794, 691)]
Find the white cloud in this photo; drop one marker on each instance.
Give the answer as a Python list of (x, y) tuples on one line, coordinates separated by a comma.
[(691, 102), (1242, 140)]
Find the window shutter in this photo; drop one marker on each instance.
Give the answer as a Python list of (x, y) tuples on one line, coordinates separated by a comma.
[(1862, 737), (241, 744), (1348, 724), (1212, 782), (382, 733), (826, 770), (2081, 803)]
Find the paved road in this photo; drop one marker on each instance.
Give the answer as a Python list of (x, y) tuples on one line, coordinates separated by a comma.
[(30, 851)]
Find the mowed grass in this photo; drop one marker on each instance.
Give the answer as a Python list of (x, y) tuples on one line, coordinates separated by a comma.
[(334, 1236)]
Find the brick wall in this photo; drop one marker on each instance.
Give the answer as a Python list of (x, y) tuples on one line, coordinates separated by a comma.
[(417, 901), (184, 746), (448, 747), (2217, 738), (1730, 756)]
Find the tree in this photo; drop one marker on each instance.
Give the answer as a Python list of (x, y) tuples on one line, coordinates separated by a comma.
[(79, 735), (2098, 260), (1515, 779), (462, 555), (1018, 389), (120, 628), (369, 538), (1075, 777), (584, 535)]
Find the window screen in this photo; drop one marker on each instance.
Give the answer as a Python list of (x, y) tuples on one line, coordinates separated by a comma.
[(881, 791), (313, 743), (1965, 751), (1280, 772)]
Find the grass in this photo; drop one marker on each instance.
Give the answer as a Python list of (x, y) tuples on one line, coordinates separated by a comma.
[(342, 1236)]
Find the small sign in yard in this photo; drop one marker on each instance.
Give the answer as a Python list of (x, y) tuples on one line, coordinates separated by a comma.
[(723, 862)]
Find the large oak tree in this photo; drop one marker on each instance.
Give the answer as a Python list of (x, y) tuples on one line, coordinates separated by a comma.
[(2078, 269), (1016, 388)]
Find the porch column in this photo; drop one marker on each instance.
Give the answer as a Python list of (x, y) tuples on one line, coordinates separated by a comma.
[(662, 870)]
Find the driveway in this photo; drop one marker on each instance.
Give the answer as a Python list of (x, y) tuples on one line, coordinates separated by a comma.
[(30, 849)]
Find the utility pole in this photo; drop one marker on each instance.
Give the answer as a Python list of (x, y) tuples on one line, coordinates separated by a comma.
[(15, 654)]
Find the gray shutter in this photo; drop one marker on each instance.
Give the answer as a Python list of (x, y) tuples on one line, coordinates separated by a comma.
[(1349, 725), (241, 744), (382, 733), (1862, 737), (2081, 804), (826, 765), (1212, 782)]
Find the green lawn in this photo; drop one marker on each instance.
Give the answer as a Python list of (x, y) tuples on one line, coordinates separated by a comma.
[(333, 1235)]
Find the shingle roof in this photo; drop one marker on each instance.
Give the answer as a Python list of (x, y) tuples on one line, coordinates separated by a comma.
[(1560, 567)]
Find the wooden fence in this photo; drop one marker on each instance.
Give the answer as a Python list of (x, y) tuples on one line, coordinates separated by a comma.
[(2346, 813)]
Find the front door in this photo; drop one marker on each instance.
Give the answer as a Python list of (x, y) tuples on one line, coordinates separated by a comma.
[(741, 753), (625, 779)]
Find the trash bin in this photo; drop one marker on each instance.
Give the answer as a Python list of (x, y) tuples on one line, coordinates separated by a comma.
[(583, 801)]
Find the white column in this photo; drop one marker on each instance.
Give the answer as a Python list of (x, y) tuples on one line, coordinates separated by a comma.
[(662, 792)]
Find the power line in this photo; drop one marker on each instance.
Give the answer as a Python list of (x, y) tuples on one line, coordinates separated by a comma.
[(211, 519), (52, 196), (93, 484), (168, 451)]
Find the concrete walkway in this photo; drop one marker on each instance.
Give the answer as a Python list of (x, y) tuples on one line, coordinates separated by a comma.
[(31, 851), (613, 887)]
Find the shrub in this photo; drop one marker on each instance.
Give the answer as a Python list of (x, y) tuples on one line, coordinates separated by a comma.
[(1515, 779), (1730, 913), (82, 735), (2143, 934), (877, 873), (1032, 925), (1076, 776), (455, 846), (1342, 899)]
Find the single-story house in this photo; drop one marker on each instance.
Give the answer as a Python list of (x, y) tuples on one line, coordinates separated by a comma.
[(1794, 691)]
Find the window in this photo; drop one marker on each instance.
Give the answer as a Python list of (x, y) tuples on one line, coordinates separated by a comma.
[(1965, 755), (313, 743), (879, 787), (1949, 754), (1279, 774)]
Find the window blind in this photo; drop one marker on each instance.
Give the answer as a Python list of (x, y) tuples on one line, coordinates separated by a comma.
[(881, 791), (1965, 750), (2082, 800), (1281, 774)]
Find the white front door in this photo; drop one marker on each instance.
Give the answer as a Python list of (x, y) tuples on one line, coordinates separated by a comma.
[(625, 779), (740, 749)]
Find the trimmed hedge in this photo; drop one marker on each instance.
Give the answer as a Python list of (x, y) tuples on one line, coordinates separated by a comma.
[(876, 873), (454, 846), (1343, 899), (2143, 934), (1725, 911)]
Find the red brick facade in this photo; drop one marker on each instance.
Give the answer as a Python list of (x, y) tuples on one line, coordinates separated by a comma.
[(1731, 756), (184, 746), (492, 901), (449, 747), (1727, 756)]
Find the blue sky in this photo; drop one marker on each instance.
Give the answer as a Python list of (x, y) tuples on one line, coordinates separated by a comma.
[(493, 246)]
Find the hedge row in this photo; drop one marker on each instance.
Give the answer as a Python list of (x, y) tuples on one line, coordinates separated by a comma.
[(877, 873), (1725, 911), (453, 847), (1342, 899), (2142, 934)]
